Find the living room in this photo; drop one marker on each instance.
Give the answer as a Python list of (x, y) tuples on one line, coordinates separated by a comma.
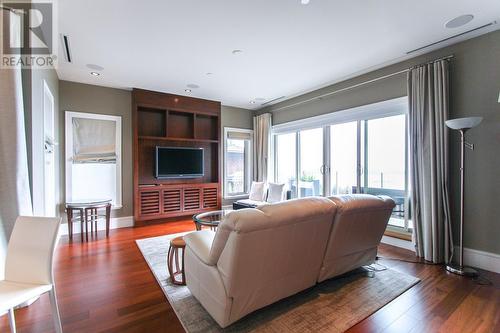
[(274, 166)]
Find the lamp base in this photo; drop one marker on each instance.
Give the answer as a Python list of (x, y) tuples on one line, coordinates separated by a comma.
[(462, 270)]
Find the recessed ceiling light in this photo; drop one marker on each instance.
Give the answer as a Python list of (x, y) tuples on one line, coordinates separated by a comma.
[(252, 102), (95, 67), (187, 90), (94, 73), (209, 74), (193, 86), (304, 2), (237, 51), (459, 21)]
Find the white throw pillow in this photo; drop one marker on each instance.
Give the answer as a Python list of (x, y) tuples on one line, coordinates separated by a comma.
[(257, 191), (275, 192)]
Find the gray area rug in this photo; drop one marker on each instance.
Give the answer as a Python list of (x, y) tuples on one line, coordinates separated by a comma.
[(332, 306)]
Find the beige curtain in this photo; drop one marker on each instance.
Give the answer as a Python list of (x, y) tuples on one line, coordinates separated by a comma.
[(262, 138), (428, 96), (15, 197)]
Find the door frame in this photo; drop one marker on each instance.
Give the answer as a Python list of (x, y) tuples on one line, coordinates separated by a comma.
[(38, 151)]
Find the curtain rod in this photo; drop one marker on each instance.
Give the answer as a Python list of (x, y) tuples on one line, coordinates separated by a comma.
[(448, 57), (10, 9)]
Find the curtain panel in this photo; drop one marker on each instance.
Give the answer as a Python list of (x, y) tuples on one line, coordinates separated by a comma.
[(262, 138), (15, 196), (428, 97)]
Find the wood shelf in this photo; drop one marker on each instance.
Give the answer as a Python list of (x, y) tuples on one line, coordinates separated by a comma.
[(162, 138), (177, 121)]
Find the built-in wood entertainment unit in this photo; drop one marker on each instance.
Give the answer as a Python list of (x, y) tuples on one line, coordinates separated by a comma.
[(168, 120)]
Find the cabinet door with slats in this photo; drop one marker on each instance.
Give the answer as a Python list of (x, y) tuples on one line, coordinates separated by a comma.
[(210, 196), (149, 202), (192, 199), (172, 200)]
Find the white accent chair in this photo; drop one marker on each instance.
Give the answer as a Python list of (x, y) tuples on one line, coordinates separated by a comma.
[(28, 265)]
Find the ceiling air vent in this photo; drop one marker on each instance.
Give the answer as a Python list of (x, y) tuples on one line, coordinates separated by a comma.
[(272, 101), (66, 49), (455, 36)]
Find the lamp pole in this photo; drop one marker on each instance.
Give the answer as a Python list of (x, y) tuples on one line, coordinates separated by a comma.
[(461, 269), (462, 195)]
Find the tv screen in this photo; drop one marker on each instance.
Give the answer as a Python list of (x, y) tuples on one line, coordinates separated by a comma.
[(175, 162)]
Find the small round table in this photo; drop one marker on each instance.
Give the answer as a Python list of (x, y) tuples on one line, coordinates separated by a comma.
[(87, 210), (210, 219), (175, 265)]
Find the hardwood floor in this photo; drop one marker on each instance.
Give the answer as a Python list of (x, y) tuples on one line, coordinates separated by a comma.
[(106, 286)]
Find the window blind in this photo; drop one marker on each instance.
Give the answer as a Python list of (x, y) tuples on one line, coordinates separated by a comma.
[(239, 135), (94, 141)]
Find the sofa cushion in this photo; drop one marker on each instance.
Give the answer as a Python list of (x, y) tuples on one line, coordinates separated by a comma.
[(275, 193), (201, 243), (257, 191), (357, 229), (272, 252)]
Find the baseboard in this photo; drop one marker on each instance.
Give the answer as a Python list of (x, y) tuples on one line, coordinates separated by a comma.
[(480, 259), (408, 245), (475, 258), (114, 223)]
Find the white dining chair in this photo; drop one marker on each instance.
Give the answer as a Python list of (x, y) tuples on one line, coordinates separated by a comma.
[(28, 265)]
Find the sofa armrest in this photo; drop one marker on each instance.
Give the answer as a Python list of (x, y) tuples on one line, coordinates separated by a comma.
[(200, 242)]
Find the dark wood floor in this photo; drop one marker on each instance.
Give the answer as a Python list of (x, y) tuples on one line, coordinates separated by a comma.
[(106, 286)]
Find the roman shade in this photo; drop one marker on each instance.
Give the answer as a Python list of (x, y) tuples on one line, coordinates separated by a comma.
[(94, 141), (236, 135)]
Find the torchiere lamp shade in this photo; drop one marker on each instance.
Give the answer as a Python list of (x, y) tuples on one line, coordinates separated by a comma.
[(464, 123)]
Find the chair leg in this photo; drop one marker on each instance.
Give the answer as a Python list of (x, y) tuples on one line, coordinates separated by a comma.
[(55, 310), (12, 321)]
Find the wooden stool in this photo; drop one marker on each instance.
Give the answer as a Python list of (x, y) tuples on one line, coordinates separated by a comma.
[(173, 258)]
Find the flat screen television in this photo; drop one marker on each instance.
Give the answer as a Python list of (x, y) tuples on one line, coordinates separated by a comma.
[(179, 162)]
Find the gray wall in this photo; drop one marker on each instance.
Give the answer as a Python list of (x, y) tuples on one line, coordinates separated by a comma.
[(475, 86), (80, 97), (233, 117), (95, 99)]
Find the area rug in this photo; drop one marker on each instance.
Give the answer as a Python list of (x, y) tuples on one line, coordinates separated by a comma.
[(332, 306)]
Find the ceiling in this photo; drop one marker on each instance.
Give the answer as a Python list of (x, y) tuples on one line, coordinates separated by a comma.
[(287, 48)]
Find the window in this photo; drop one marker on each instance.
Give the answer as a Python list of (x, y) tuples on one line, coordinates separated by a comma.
[(93, 157), (238, 145), (362, 150), (286, 164)]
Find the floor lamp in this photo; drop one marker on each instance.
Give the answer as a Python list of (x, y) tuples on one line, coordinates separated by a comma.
[(462, 125)]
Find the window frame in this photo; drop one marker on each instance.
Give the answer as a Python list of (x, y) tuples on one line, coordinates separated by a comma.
[(388, 108), (248, 162), (69, 115)]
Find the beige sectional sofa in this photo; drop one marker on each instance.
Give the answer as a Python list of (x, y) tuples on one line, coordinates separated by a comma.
[(259, 256)]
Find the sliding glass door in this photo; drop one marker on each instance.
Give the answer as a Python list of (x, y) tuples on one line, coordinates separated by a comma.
[(364, 154), (344, 159), (286, 162), (311, 165), (385, 162)]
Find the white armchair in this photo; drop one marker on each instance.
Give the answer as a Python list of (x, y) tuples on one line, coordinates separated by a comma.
[(28, 266)]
